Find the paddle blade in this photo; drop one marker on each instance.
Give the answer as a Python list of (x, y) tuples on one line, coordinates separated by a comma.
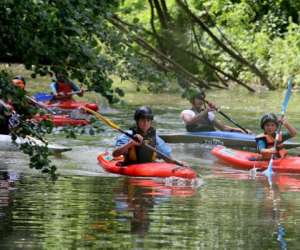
[(102, 118), (287, 96), (269, 171)]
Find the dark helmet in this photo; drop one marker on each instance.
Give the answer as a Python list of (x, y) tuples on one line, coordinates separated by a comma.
[(271, 117), (143, 112), (60, 76), (19, 81), (199, 95)]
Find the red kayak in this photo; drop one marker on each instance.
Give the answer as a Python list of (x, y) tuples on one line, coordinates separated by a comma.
[(71, 104), (246, 160), (151, 169), (61, 120)]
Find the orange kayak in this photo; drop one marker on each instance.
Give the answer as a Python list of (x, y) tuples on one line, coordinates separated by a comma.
[(151, 169), (246, 160)]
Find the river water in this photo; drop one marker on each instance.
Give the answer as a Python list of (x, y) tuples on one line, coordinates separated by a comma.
[(87, 208)]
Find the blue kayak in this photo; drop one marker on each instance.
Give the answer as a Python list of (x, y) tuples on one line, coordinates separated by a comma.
[(225, 138)]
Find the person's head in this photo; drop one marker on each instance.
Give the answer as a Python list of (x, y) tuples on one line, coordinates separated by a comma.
[(19, 81), (61, 77), (197, 100), (269, 123), (143, 117)]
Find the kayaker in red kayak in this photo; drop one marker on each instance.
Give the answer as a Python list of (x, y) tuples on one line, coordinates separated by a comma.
[(265, 142), (202, 118), (8, 112), (135, 151), (63, 88), (19, 81)]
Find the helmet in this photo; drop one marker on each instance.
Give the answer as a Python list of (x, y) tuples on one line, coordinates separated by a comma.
[(19, 81), (199, 95), (143, 112), (271, 117), (60, 77)]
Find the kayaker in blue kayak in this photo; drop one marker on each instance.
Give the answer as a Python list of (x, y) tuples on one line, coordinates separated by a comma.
[(265, 142), (136, 151), (63, 89), (202, 118)]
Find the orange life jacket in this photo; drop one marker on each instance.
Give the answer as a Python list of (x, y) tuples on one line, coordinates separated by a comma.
[(270, 141)]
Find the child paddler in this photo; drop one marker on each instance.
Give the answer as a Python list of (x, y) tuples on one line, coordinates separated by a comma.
[(62, 88), (265, 142), (143, 131), (202, 118)]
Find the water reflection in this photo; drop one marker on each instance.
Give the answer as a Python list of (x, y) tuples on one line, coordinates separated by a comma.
[(140, 195)]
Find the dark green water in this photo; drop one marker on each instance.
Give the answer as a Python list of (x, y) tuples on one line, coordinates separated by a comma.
[(90, 209)]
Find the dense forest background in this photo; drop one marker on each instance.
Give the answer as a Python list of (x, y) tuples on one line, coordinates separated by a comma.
[(197, 44)]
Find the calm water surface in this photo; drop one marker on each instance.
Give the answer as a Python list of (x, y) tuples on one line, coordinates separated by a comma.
[(87, 208)]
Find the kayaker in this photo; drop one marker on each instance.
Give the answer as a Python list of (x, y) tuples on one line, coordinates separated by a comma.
[(63, 89), (265, 142), (19, 81), (202, 118), (136, 151), (9, 118)]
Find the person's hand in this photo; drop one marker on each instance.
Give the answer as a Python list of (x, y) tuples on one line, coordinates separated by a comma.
[(184, 164), (283, 121), (81, 91), (211, 106), (271, 150), (138, 140)]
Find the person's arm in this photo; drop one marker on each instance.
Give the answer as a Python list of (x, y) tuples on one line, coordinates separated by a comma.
[(291, 129), (224, 127), (53, 88), (75, 88), (163, 147), (124, 143), (189, 117)]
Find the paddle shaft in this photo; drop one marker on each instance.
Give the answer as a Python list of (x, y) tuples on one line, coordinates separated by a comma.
[(116, 127), (283, 110), (228, 118)]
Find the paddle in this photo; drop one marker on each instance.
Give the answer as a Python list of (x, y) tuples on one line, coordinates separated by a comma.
[(227, 117), (116, 127), (268, 172)]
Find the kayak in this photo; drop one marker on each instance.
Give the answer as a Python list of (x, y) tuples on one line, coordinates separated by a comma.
[(225, 138), (70, 104), (151, 169), (6, 144), (61, 120), (246, 160)]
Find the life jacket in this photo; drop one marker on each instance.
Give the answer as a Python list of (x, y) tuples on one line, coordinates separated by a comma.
[(202, 125), (142, 154), (270, 141), (64, 87)]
